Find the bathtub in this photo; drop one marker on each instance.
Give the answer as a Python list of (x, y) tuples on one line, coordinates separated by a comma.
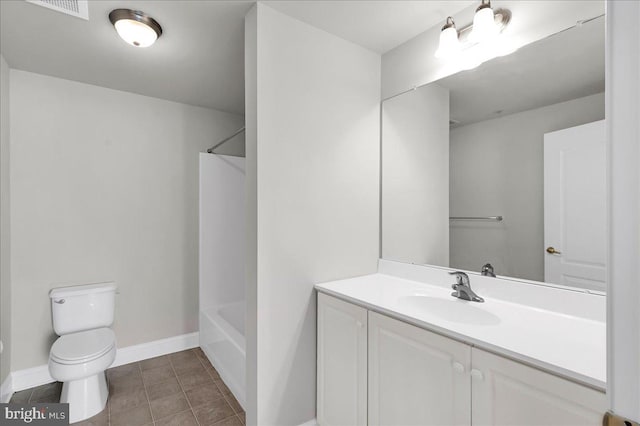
[(222, 340)]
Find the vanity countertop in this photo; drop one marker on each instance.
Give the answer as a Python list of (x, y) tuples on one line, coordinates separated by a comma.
[(567, 344)]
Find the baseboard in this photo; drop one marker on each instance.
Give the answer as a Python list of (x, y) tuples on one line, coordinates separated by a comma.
[(156, 348), (36, 376), (313, 422), (5, 390), (30, 377)]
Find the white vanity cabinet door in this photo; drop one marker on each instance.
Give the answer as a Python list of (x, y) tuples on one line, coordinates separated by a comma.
[(508, 393), (342, 363), (416, 377)]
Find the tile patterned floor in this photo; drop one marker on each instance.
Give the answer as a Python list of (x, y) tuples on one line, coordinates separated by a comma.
[(180, 389)]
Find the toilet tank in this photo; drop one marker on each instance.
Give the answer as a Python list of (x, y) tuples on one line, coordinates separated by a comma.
[(82, 307)]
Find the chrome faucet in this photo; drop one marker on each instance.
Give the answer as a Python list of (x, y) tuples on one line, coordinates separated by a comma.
[(462, 288), (487, 270)]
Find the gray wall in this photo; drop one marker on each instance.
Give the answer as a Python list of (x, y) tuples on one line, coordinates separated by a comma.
[(104, 186), (314, 143), (415, 162), (5, 232), (497, 168)]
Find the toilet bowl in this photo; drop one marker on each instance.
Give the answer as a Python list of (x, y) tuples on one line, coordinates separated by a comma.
[(79, 360), (86, 346)]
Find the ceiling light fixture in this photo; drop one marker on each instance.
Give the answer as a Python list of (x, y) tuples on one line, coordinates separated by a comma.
[(135, 27), (484, 24), (449, 43)]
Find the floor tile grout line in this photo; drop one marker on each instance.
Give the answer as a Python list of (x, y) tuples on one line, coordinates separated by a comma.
[(193, 413), (108, 407), (30, 395), (146, 394), (221, 391), (109, 397)]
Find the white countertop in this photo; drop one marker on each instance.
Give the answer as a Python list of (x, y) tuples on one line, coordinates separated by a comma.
[(566, 344)]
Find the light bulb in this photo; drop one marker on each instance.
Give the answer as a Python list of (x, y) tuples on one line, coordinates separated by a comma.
[(449, 43), (484, 26), (135, 33)]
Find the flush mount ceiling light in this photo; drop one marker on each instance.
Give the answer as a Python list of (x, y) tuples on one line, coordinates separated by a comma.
[(135, 27), (484, 24), (449, 43)]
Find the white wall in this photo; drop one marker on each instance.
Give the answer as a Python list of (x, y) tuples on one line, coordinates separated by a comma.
[(251, 212), (104, 186), (415, 177), (413, 64), (316, 151), (5, 224), (623, 134), (497, 168)]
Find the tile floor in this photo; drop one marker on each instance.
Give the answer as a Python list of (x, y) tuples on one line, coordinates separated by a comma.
[(180, 389)]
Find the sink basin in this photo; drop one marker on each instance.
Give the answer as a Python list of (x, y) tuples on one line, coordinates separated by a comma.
[(454, 310)]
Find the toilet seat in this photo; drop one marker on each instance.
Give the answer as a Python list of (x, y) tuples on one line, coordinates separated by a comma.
[(83, 346)]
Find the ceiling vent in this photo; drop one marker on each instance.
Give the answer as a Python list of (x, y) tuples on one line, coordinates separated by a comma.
[(77, 8)]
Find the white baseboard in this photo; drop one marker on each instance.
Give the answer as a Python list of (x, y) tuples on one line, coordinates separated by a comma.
[(5, 390), (30, 377), (156, 348), (313, 422), (36, 376)]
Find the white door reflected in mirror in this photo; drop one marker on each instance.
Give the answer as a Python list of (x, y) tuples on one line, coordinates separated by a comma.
[(575, 206)]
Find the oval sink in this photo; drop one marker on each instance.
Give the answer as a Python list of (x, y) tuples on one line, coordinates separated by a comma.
[(454, 310)]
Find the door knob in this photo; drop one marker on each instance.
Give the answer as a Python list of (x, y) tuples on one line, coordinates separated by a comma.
[(551, 250)]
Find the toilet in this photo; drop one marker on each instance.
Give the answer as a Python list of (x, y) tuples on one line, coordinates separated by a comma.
[(86, 347)]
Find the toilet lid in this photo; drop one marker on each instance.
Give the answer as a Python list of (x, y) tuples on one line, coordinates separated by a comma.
[(83, 345)]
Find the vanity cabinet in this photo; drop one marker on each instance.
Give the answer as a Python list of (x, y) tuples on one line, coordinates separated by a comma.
[(509, 393), (416, 377), (342, 363)]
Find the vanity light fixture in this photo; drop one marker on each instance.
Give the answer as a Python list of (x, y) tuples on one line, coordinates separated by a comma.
[(449, 43), (135, 27), (478, 42), (484, 24)]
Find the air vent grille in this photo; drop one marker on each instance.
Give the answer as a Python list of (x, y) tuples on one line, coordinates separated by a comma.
[(77, 8)]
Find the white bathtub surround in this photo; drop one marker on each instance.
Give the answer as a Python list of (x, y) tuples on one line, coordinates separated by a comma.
[(558, 330), (222, 268), (222, 340)]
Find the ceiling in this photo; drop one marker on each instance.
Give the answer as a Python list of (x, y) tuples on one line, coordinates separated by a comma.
[(377, 25), (559, 68), (199, 60)]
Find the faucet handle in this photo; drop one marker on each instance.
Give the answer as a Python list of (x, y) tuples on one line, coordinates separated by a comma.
[(461, 277)]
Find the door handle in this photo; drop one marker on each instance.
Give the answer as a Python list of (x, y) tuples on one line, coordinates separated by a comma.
[(551, 250)]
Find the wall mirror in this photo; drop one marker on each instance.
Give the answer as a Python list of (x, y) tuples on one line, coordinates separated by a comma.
[(504, 165)]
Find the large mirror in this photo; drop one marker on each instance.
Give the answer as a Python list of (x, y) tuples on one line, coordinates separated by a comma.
[(504, 165)]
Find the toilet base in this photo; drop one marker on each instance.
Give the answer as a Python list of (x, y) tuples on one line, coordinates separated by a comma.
[(86, 397)]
